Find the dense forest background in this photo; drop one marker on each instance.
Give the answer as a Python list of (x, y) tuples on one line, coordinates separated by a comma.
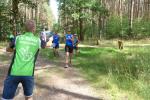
[(106, 18), (13, 13), (90, 19)]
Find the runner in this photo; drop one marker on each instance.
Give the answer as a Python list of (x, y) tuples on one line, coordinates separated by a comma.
[(47, 34), (23, 63), (68, 48), (43, 36), (75, 43), (55, 44)]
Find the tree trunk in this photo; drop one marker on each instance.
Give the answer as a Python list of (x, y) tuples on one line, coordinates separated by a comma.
[(81, 35), (92, 21), (146, 9), (32, 13), (131, 17), (25, 17), (120, 6), (80, 27), (36, 14), (100, 30), (15, 14), (0, 26)]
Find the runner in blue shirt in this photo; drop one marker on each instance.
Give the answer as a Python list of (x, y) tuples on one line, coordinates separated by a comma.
[(68, 47), (55, 44)]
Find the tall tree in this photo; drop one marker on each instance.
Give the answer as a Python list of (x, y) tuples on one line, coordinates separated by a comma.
[(131, 6), (15, 14)]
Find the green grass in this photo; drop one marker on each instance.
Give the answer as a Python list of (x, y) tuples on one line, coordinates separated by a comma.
[(127, 70), (121, 72), (48, 53)]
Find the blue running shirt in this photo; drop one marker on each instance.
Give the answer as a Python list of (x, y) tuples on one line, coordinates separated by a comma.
[(55, 38), (69, 40)]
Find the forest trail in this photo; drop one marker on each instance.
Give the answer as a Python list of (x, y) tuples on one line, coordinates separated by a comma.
[(54, 82)]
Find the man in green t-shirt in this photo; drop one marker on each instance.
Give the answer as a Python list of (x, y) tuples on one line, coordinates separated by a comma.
[(23, 63)]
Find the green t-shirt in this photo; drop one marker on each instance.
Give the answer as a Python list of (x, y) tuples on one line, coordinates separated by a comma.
[(26, 49)]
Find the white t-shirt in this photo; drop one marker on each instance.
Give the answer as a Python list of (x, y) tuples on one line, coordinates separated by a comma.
[(43, 35)]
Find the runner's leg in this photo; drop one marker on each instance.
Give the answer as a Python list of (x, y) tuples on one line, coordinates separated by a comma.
[(57, 48), (28, 85), (70, 55), (54, 51), (67, 55), (10, 86), (57, 52)]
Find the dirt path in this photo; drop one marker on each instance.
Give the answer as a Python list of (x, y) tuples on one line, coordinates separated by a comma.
[(53, 82)]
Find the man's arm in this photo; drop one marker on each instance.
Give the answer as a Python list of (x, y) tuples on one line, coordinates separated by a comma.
[(11, 46)]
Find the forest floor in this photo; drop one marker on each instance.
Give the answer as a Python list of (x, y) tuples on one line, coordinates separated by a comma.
[(53, 81)]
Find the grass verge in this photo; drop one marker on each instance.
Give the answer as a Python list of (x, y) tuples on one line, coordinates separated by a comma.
[(125, 71)]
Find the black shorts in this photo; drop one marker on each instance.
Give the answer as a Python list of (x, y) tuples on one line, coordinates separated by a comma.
[(69, 49), (55, 45)]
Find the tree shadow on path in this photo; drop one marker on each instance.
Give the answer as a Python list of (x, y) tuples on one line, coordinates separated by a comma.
[(66, 92)]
